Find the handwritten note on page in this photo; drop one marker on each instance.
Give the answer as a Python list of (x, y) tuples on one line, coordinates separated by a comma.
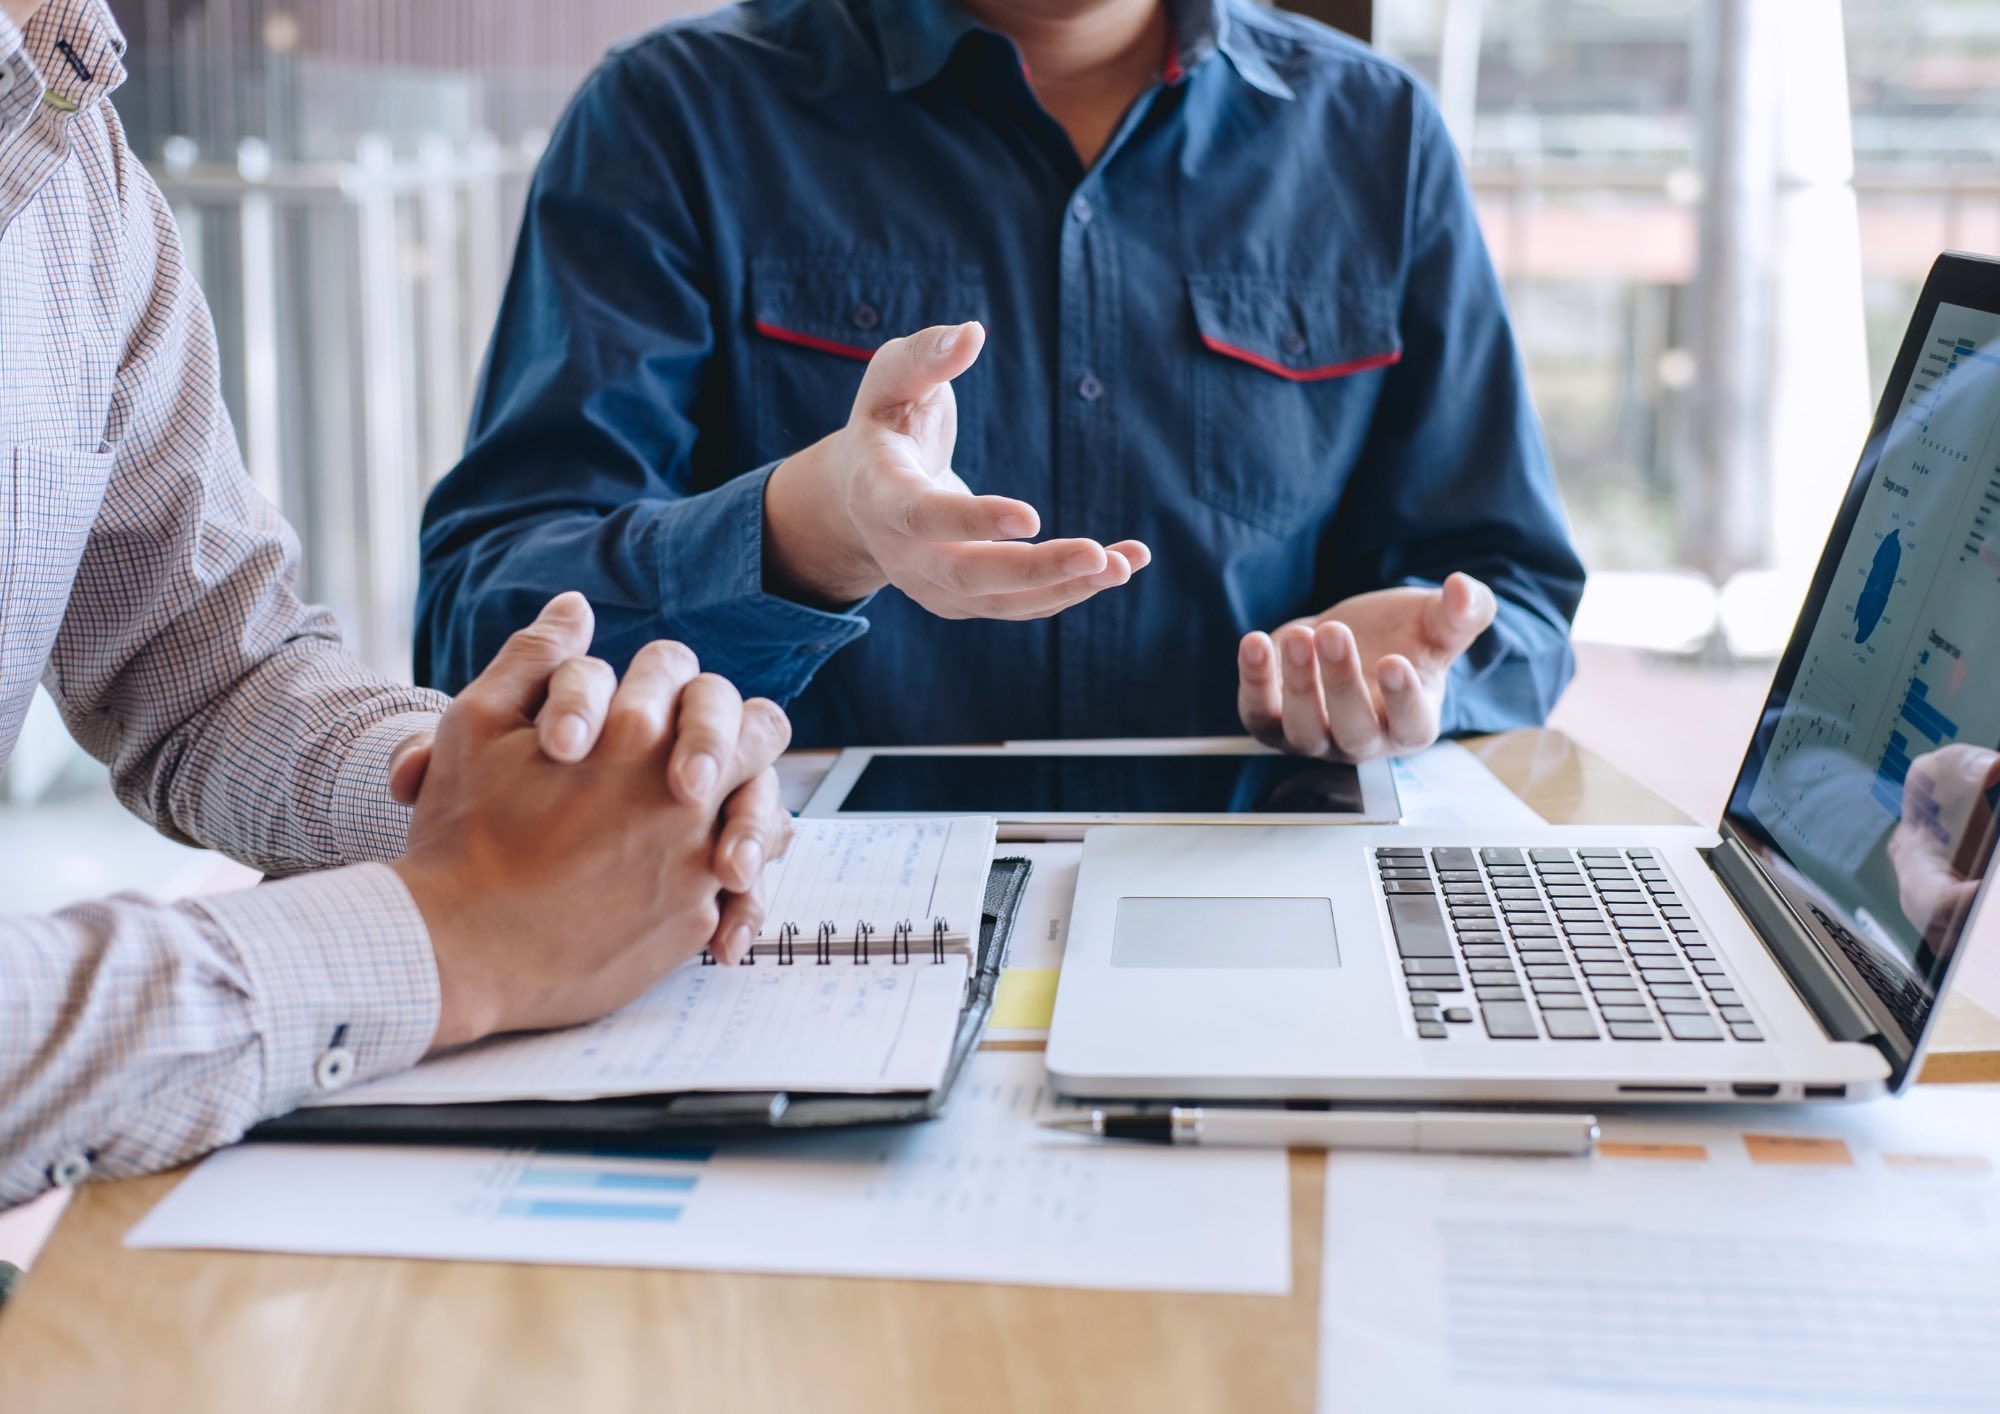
[(868, 876), (843, 1028)]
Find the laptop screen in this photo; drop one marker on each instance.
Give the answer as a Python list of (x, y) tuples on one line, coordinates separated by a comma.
[(1869, 789)]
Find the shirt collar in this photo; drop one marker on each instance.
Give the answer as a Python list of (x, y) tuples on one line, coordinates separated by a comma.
[(1227, 33), (918, 36)]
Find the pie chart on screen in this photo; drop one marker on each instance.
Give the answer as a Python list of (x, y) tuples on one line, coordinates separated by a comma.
[(1881, 579)]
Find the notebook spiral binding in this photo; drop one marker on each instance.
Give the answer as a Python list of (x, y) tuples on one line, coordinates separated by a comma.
[(860, 947)]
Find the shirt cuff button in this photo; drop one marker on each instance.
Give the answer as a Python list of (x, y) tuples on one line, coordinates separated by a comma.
[(334, 1068), (70, 1170)]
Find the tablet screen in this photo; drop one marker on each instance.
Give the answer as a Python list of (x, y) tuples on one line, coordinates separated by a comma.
[(1015, 785)]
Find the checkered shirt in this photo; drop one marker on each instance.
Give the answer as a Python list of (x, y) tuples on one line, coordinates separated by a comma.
[(146, 584)]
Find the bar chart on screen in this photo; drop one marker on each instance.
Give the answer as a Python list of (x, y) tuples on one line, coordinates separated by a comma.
[(1918, 718)]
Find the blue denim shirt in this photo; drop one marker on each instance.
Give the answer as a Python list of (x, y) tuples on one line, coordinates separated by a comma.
[(1261, 333)]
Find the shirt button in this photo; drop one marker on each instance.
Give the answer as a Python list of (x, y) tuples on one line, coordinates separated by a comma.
[(1080, 209), (1293, 342), (334, 1068), (864, 317), (1088, 388), (70, 1170)]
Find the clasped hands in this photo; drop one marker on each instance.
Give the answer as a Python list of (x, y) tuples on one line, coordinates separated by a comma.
[(877, 503), (576, 837)]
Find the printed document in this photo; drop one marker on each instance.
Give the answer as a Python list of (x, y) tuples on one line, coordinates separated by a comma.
[(983, 1194), (1795, 1259)]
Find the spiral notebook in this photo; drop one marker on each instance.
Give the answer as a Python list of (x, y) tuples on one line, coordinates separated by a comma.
[(876, 891), (855, 987)]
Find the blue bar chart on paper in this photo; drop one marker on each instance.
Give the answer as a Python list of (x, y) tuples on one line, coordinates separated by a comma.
[(651, 1186)]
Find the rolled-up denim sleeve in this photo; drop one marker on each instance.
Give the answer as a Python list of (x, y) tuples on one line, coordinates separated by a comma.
[(584, 468), (1457, 473)]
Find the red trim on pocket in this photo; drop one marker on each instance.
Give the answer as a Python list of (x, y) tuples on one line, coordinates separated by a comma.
[(809, 341), (1304, 375)]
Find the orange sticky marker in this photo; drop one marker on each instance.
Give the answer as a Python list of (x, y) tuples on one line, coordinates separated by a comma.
[(1962, 1163), (1678, 1153), (1798, 1149)]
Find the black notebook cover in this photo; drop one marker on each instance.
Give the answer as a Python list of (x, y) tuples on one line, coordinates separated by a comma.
[(640, 1120)]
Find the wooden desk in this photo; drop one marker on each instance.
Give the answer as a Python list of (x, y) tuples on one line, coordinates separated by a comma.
[(98, 1327)]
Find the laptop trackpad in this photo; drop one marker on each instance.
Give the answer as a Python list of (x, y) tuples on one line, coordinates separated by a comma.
[(1224, 932)]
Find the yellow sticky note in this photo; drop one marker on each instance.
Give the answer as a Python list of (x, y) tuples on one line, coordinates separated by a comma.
[(1025, 1000)]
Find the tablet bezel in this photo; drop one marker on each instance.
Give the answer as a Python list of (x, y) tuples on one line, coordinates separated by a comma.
[(1380, 804)]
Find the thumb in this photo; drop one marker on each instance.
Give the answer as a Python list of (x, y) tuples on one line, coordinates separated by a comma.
[(409, 763), (1458, 613), (908, 369), (517, 679)]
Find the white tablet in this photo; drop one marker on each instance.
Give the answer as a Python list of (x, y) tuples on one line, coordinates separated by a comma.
[(1059, 789)]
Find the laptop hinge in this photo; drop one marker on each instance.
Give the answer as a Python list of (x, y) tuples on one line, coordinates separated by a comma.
[(1821, 987)]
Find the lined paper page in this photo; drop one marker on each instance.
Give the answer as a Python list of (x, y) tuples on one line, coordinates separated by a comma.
[(882, 873), (838, 1028)]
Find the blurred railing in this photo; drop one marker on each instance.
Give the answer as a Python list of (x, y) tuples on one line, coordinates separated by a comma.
[(352, 302)]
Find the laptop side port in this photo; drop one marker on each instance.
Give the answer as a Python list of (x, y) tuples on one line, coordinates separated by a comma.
[(1663, 1089), (1826, 1092), (1757, 1090)]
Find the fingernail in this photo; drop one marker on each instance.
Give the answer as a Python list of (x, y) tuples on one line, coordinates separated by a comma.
[(1298, 650), (749, 857), (1016, 525), (1334, 646), (1395, 677), (948, 340), (567, 735), (1083, 562), (737, 944), (1253, 652), (699, 775)]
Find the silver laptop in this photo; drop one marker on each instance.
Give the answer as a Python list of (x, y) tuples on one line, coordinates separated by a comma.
[(1797, 951)]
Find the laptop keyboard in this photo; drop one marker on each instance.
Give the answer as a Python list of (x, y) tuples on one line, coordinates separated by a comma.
[(1554, 943), (1909, 1003)]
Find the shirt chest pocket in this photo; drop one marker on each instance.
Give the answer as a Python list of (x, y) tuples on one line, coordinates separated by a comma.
[(816, 321), (1285, 386), (48, 503)]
